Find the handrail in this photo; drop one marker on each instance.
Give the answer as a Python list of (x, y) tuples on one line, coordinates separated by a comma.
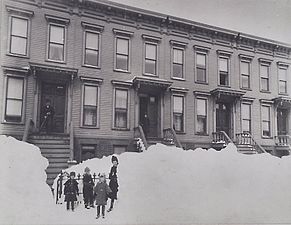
[(283, 140), (169, 133), (28, 125), (221, 136), (71, 141), (139, 133), (245, 138)]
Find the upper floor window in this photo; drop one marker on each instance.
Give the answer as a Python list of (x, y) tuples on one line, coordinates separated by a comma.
[(14, 99), (201, 116), (56, 48), (265, 76), (121, 108), (18, 36), (178, 62), (151, 59), (282, 71), (266, 120), (245, 74), (178, 113), (122, 54), (246, 117), (223, 63), (90, 105), (201, 67), (91, 55)]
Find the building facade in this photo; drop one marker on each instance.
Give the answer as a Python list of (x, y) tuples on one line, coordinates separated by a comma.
[(115, 73)]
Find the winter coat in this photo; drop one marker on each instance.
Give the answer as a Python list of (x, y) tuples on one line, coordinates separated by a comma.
[(71, 190), (88, 185), (113, 183), (101, 191)]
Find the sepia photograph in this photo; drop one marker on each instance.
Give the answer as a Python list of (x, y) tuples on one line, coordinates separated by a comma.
[(145, 112)]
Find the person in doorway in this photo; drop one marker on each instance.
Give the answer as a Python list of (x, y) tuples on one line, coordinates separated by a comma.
[(145, 124), (113, 183), (88, 185), (47, 116), (71, 191), (101, 191)]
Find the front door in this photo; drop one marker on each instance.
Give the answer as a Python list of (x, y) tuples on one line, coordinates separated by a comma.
[(56, 94), (223, 119), (282, 115), (148, 115)]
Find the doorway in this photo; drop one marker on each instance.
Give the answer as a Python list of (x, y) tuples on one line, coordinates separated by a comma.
[(223, 117), (282, 120), (148, 115), (56, 94)]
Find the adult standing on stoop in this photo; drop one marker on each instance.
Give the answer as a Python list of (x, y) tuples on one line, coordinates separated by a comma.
[(113, 183)]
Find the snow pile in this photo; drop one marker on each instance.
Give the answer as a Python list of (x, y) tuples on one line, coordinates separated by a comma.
[(25, 197)]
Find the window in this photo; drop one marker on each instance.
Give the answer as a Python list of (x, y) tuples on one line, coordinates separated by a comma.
[(91, 55), (14, 99), (122, 54), (201, 120), (223, 71), (121, 108), (266, 121), (56, 48), (245, 74), (18, 36), (178, 61), (246, 117), (201, 67), (282, 80), (178, 113), (88, 152), (264, 74), (151, 59), (90, 105)]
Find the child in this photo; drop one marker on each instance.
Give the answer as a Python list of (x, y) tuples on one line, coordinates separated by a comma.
[(88, 185), (71, 190), (113, 183), (101, 190)]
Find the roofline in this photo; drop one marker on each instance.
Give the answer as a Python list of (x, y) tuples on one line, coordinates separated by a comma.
[(187, 21)]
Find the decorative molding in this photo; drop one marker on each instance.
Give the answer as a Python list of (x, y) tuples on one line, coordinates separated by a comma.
[(91, 79), (247, 57), (16, 70), (122, 32), (264, 60), (55, 19), (201, 48), (178, 43), (179, 89), (151, 38), (266, 101), (223, 52), (122, 83), (91, 26), (201, 93), (18, 11)]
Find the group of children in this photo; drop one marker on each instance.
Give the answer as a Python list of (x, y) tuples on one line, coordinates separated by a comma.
[(99, 192)]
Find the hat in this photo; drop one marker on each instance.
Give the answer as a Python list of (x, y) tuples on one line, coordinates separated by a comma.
[(87, 169), (101, 175), (114, 158), (72, 174)]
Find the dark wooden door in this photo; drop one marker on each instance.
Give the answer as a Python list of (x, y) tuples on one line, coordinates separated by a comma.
[(282, 115), (56, 93), (223, 117)]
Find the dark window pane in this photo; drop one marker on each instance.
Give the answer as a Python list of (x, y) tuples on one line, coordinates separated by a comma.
[(201, 75), (178, 70), (178, 122), (120, 118), (223, 79), (122, 62), (245, 82), (283, 87), (18, 45), (150, 66), (91, 57), (90, 116), (266, 128), (201, 124), (264, 84), (56, 52)]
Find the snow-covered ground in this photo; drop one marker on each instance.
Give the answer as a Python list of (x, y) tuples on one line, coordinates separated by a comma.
[(163, 185)]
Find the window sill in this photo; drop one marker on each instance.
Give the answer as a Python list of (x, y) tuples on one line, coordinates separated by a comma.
[(200, 134), (226, 86), (284, 94), (177, 78), (263, 91), (12, 123), (246, 89), (120, 129), (19, 56), (267, 137), (150, 75), (55, 61), (90, 66), (121, 71), (201, 82), (88, 127)]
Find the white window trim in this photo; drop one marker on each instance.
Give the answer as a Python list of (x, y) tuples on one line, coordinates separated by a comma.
[(268, 64), (284, 67), (86, 83), (196, 114), (179, 46), (247, 59), (202, 52), (250, 103), (264, 104), (129, 53), (184, 111), (128, 109), (224, 55), (6, 76)]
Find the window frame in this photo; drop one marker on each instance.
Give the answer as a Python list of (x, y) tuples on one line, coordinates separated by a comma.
[(249, 119), (82, 125), (249, 61), (24, 90), (183, 131), (116, 53), (283, 67), (268, 65), (269, 121), (227, 56), (180, 46), (196, 66), (204, 98), (127, 109)]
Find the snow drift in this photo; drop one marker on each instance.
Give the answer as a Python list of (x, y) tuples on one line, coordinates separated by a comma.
[(163, 185)]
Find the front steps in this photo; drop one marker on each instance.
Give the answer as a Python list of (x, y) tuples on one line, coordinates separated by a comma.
[(56, 148), (246, 149)]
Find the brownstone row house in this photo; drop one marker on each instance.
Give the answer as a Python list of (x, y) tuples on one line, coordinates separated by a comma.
[(104, 66)]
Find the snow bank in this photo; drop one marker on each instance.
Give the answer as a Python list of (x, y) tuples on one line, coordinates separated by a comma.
[(25, 198)]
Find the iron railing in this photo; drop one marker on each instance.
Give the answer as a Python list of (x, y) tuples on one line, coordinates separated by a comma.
[(283, 140), (221, 137), (170, 136), (245, 138)]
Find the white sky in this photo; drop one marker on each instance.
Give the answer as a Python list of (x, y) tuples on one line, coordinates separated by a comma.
[(264, 18)]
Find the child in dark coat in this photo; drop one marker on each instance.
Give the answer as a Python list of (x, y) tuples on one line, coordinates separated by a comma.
[(88, 185), (113, 183), (101, 191), (71, 191)]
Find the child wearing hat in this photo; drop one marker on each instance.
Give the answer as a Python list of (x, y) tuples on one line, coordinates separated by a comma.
[(101, 191), (88, 185), (71, 191), (113, 183)]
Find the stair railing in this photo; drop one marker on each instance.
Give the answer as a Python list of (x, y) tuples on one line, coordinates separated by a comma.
[(221, 137), (71, 161), (27, 130), (245, 138), (283, 140), (139, 133), (171, 136)]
